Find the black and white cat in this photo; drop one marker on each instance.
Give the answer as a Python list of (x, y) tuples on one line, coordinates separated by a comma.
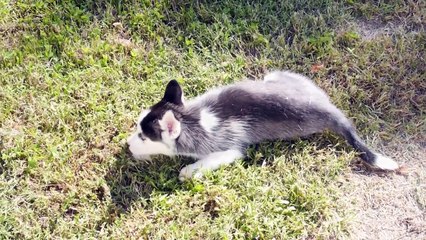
[(217, 127)]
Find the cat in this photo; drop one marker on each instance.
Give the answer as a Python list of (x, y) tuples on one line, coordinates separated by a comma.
[(218, 126)]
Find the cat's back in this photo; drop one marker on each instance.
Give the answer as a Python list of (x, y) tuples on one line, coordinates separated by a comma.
[(287, 85), (277, 89)]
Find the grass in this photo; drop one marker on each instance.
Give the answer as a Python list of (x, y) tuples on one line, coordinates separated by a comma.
[(75, 74)]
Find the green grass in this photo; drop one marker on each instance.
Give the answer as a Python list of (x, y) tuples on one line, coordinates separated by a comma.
[(75, 74)]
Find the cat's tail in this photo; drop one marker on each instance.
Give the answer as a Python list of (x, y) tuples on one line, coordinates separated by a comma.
[(345, 128)]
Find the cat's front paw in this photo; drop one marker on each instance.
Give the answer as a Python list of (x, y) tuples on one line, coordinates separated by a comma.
[(188, 172)]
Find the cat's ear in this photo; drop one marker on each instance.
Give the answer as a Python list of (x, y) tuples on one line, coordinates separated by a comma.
[(173, 93), (170, 126)]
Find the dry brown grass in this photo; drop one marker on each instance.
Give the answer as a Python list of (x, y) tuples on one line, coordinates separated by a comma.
[(389, 206)]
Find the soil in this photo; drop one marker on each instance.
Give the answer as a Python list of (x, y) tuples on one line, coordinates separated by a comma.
[(390, 205)]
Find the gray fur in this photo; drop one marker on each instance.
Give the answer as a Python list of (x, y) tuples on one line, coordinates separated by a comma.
[(282, 109)]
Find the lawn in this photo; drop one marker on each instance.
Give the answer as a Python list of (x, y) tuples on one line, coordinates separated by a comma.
[(74, 76)]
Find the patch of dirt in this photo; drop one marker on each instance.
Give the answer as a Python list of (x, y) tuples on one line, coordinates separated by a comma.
[(390, 205), (370, 30)]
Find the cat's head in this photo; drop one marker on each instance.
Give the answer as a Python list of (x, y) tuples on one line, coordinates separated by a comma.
[(159, 126)]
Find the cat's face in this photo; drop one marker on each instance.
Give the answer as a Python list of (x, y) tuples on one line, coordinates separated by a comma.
[(160, 126)]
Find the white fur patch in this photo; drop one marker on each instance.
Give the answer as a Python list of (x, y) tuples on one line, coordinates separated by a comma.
[(143, 149), (385, 163), (208, 120), (182, 98), (288, 77), (273, 76), (211, 162)]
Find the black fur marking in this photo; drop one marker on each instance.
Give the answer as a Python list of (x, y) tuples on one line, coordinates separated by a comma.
[(150, 125), (173, 93), (239, 104), (365, 153), (270, 116)]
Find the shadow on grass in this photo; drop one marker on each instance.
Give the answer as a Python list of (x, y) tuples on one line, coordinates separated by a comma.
[(264, 153), (131, 180), (133, 184)]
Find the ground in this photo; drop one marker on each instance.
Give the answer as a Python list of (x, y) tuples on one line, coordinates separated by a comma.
[(74, 75), (389, 207)]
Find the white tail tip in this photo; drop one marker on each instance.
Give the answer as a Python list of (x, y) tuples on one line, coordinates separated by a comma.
[(385, 163)]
